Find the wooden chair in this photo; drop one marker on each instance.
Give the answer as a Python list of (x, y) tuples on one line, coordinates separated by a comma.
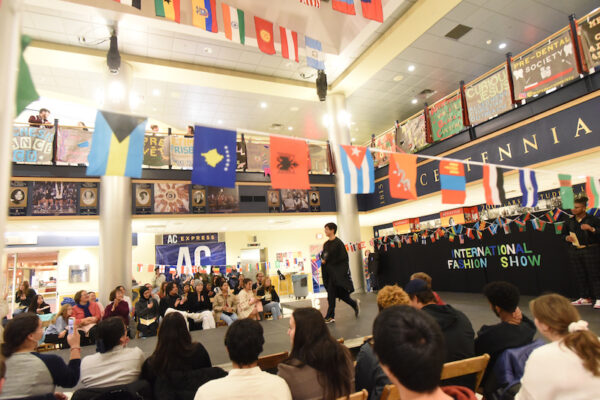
[(390, 392), (47, 347), (473, 365), (270, 362), (362, 395)]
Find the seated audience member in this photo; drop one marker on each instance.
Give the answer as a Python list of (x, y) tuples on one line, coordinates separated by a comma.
[(94, 299), (455, 325), (57, 331), (125, 297), (259, 281), (569, 366), (87, 315), (427, 278), (147, 313), (171, 299), (199, 302), (247, 307), (217, 282), (178, 366), (269, 298), (244, 342), (117, 307), (368, 372), (225, 304), (23, 297), (39, 306), (318, 366), (114, 363), (185, 294), (410, 348), (210, 291), (29, 373), (157, 280), (162, 291), (41, 118), (238, 286), (514, 330)]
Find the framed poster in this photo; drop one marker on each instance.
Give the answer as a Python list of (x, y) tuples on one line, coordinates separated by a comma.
[(32, 145), (319, 163), (412, 136), (547, 66), (446, 118), (54, 198), (314, 200), (294, 200), (143, 198), (488, 97), (156, 151), (171, 198), (88, 198), (198, 199), (223, 200), (258, 156), (273, 200), (589, 31), (17, 204), (79, 273)]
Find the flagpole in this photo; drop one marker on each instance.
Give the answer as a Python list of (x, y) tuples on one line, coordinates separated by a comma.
[(10, 15)]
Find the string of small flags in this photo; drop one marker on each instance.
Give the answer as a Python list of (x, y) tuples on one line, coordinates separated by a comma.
[(173, 269)]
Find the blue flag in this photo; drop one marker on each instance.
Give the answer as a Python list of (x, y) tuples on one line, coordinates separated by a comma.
[(214, 157)]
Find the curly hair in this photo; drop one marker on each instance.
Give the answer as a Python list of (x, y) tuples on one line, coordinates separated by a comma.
[(391, 295)]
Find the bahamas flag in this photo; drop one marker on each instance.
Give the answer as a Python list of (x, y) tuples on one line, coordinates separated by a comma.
[(358, 170), (215, 157), (168, 9), (117, 145)]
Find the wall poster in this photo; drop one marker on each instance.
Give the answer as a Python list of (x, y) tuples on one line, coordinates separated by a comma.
[(88, 198), (314, 200), (198, 199), (223, 200), (143, 198), (17, 204), (589, 30), (171, 198), (445, 117), (54, 198), (273, 200), (294, 200)]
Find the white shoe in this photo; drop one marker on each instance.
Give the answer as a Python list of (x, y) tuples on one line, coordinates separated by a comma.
[(582, 302), (597, 305)]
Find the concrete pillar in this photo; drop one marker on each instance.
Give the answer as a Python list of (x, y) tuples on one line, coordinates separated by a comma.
[(115, 202), (347, 208), (9, 54)]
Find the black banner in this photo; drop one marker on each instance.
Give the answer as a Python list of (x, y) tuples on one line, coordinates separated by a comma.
[(589, 29), (534, 261)]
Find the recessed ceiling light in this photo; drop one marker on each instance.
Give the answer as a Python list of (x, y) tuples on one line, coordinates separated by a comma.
[(501, 46), (263, 105), (207, 50), (414, 101), (397, 78), (220, 122), (411, 68), (156, 92), (489, 41), (354, 139), (294, 108), (290, 128)]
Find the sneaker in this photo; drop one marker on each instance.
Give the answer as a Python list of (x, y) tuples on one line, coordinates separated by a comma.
[(357, 309), (582, 302), (329, 320), (597, 305)]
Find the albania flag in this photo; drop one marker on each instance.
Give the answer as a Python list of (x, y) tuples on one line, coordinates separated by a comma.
[(289, 163)]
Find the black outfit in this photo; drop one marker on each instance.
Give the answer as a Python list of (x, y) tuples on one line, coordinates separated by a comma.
[(28, 298), (274, 297), (373, 267), (585, 261), (494, 339), (368, 373), (169, 302), (44, 308), (198, 305), (459, 337), (143, 312), (336, 275), (193, 370)]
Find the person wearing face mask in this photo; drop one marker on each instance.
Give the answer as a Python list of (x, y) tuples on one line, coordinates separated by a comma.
[(29, 373), (147, 313), (113, 363)]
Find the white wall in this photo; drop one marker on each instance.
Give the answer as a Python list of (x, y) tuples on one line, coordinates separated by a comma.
[(143, 253), (77, 256)]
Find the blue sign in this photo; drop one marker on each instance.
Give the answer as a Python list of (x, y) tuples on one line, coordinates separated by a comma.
[(191, 254)]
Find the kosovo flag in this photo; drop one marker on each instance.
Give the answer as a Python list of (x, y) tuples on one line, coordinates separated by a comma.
[(117, 145), (214, 157)]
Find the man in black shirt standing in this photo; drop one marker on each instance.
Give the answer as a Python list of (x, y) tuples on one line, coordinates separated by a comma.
[(583, 232), (336, 273)]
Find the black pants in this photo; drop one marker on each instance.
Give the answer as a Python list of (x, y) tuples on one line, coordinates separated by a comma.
[(53, 338), (586, 264), (334, 291)]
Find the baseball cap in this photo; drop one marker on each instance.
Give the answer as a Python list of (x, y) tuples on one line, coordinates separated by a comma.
[(415, 286)]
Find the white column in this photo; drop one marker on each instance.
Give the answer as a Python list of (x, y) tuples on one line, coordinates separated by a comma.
[(10, 48), (347, 208), (115, 203)]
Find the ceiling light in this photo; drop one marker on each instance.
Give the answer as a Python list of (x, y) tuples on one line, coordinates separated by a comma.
[(354, 139), (501, 46), (411, 68), (294, 108), (116, 91), (326, 120), (263, 105), (397, 78), (156, 92), (414, 101), (207, 50), (344, 118), (489, 41), (134, 100), (220, 122), (290, 128)]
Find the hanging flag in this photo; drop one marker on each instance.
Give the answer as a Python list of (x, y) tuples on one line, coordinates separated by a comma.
[(131, 3), (314, 53), (522, 225), (451, 237), (453, 182), (289, 163), (234, 24), (550, 216), (168, 9), (214, 157), (482, 225), (264, 35), (470, 234), (493, 184), (557, 214), (372, 9), (26, 93), (117, 145), (344, 6), (506, 227), (529, 188), (312, 3), (479, 235), (558, 227), (403, 176), (289, 44), (204, 15), (566, 191), (357, 167), (592, 190)]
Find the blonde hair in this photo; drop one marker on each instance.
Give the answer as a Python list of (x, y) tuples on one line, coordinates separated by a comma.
[(391, 295), (423, 276), (557, 313), (62, 312)]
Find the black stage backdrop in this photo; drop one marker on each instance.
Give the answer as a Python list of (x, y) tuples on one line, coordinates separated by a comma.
[(536, 262)]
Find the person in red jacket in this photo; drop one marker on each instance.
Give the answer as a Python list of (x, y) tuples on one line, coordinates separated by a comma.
[(118, 307), (41, 118), (87, 314)]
